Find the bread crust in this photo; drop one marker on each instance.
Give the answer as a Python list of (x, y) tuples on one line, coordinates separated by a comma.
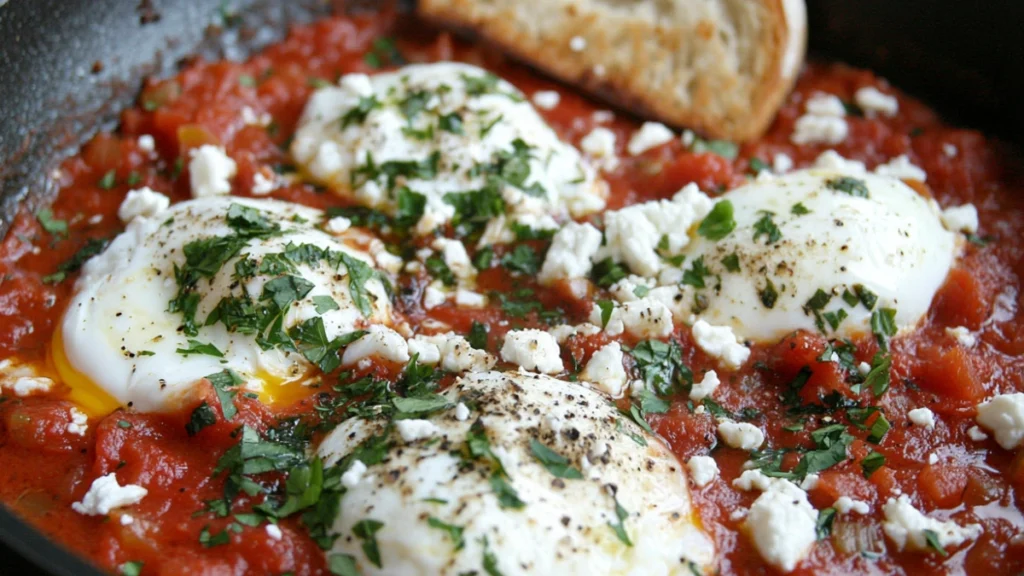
[(683, 74)]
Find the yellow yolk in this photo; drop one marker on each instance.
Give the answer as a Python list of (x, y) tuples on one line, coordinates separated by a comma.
[(89, 397), (96, 402)]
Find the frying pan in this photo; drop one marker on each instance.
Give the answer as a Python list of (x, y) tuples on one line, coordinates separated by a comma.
[(67, 67)]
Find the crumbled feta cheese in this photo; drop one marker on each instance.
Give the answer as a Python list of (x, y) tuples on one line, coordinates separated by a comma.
[(650, 135), (810, 482), (844, 505), (782, 163), (687, 138), (455, 256), (210, 171), (1004, 416), (949, 150), (823, 123), (262, 185), (274, 532), (105, 494), (570, 253), (532, 350), (633, 234), (599, 145), (461, 412), (961, 218), (720, 342), (142, 203), (28, 385), (79, 422), (644, 318), (378, 342), (126, 520), (706, 387), (412, 430), (975, 433), (963, 335), (933, 458), (251, 118), (922, 417), (577, 44), (872, 100), (603, 116), (906, 527), (147, 143), (546, 99), (832, 160), (703, 470), (469, 299), (563, 332), (783, 525), (902, 168), (433, 295), (605, 370), (426, 352), (351, 477), (337, 225), (823, 104), (458, 356), (753, 480), (740, 435)]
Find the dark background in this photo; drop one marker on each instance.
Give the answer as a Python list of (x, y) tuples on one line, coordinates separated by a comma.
[(964, 58)]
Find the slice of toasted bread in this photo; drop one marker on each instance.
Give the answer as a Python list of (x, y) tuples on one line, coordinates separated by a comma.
[(720, 67)]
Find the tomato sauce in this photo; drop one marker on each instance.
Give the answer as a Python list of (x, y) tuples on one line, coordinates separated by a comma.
[(44, 468)]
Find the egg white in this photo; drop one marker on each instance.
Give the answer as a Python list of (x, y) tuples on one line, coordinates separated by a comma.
[(117, 343), (892, 243), (563, 527)]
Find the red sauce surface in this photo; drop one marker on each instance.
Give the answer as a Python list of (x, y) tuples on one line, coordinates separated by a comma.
[(43, 468)]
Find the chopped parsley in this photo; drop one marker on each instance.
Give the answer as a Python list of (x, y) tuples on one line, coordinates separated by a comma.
[(873, 461), (931, 537), (723, 148), (359, 113), (731, 262), (522, 259), (554, 462), (883, 326), (607, 272), (91, 248), (694, 276), (765, 226), (454, 532), (619, 527), (201, 417), (848, 185), (823, 526), (477, 336), (224, 386), (383, 52), (719, 222), (799, 209), (50, 224), (769, 295), (133, 568), (108, 180), (661, 366), (366, 530), (197, 347)]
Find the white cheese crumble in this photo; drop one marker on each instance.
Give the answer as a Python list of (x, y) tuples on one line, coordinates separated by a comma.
[(433, 295), (844, 505), (720, 342), (823, 123), (633, 234), (534, 350), (902, 168), (873, 101), (546, 99), (599, 145), (703, 470), (105, 494), (251, 117), (643, 318), (461, 412), (832, 160), (649, 136), (79, 422), (922, 417), (274, 532), (351, 477), (961, 218), (706, 387), (147, 143), (949, 150), (426, 352), (577, 44), (469, 299), (740, 435), (963, 335), (572, 249), (337, 225), (455, 256), (563, 332), (142, 203), (210, 171), (753, 480), (1004, 416), (605, 370), (782, 163), (28, 385), (975, 433), (782, 525), (412, 430), (262, 185), (906, 527), (380, 342)]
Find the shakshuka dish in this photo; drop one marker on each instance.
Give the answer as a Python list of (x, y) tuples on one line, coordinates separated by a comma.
[(383, 301)]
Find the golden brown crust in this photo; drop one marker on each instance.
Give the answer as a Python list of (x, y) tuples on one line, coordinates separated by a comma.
[(649, 69)]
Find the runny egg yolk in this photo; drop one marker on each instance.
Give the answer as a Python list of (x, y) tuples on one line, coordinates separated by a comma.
[(97, 403)]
